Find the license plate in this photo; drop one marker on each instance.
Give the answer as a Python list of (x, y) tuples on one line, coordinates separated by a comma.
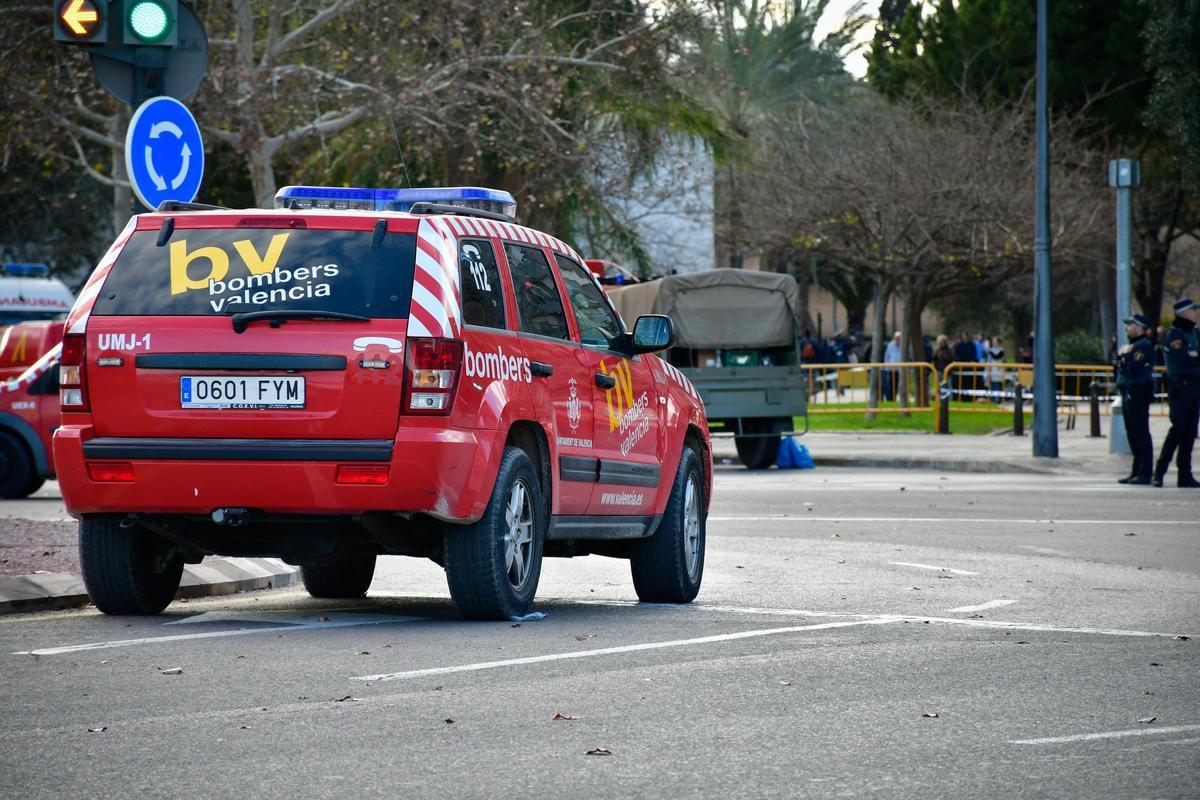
[(263, 391)]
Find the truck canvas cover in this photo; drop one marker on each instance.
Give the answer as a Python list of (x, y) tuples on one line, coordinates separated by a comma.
[(719, 308)]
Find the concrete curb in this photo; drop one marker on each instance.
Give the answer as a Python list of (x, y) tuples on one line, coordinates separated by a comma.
[(978, 465), (216, 576)]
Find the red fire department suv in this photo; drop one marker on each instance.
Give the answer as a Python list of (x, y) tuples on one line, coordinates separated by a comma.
[(362, 372), (28, 417)]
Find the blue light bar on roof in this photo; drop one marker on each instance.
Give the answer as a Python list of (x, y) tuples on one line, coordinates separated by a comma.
[(25, 270), (339, 198)]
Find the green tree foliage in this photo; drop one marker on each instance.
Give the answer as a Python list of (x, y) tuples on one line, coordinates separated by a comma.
[(1104, 60), (986, 49), (540, 97), (1172, 45)]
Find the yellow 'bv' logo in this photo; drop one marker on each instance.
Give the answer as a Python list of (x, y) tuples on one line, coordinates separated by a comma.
[(18, 353), (620, 397), (218, 261)]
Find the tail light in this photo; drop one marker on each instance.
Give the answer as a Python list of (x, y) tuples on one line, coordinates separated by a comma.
[(110, 471), (431, 369), (362, 474), (72, 375)]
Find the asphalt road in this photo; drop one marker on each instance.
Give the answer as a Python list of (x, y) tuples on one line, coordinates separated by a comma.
[(860, 633)]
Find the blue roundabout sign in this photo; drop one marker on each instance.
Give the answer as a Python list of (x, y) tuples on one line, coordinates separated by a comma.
[(164, 155)]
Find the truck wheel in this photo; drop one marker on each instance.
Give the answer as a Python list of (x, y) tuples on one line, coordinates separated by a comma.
[(344, 579), (493, 565), (757, 452), (127, 570), (668, 566), (16, 468)]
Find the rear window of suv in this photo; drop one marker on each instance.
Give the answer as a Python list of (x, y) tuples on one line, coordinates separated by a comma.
[(223, 271)]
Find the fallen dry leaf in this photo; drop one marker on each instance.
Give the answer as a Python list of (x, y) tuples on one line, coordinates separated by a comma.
[(98, 729), (599, 751), (558, 717), (1147, 720), (172, 671)]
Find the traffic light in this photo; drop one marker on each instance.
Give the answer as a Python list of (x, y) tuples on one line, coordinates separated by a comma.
[(151, 22), (81, 21)]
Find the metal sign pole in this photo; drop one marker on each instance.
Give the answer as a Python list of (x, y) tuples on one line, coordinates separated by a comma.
[(1045, 409)]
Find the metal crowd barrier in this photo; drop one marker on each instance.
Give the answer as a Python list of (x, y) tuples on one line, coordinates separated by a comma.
[(964, 388), (844, 388), (1075, 384)]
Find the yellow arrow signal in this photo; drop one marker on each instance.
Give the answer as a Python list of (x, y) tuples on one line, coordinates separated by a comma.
[(78, 15)]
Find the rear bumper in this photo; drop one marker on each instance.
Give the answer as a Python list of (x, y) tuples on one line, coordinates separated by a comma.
[(447, 474)]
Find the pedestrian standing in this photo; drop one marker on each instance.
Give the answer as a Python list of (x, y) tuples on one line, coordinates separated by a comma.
[(943, 356), (891, 356), (996, 371), (1181, 347), (1135, 370)]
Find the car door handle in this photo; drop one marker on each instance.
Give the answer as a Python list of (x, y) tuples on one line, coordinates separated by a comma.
[(605, 381), (540, 370)]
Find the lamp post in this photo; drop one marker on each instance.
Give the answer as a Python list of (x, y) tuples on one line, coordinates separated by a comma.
[(1123, 175), (1045, 410)]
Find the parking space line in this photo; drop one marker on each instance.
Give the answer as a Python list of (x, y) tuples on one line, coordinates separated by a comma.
[(1089, 737), (981, 606), (606, 651), (971, 623), (932, 567), (955, 520), (348, 622)]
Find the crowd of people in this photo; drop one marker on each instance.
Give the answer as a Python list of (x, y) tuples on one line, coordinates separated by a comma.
[(842, 348)]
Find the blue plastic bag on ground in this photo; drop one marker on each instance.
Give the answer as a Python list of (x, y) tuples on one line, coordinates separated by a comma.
[(793, 455)]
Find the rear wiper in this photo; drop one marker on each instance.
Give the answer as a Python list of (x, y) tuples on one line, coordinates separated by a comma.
[(240, 321)]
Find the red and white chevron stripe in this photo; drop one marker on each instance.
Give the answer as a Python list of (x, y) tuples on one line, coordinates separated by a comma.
[(477, 226), (679, 378), (436, 308), (78, 317), (37, 369)]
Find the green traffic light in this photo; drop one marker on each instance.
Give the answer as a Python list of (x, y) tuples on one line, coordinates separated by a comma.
[(149, 20)]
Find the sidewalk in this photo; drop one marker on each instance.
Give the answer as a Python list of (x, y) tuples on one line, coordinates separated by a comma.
[(214, 576), (999, 453)]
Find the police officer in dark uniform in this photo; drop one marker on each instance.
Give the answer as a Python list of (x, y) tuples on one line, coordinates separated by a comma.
[(1135, 368), (1181, 346)]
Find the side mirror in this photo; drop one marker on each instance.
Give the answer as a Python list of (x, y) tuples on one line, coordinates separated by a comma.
[(653, 332)]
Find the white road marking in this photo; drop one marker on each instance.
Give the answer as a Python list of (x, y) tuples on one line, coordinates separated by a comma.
[(1050, 551), (605, 651), (973, 623), (981, 606), (346, 621), (932, 567), (799, 517), (1089, 737)]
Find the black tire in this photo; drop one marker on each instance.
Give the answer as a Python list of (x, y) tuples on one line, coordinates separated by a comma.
[(663, 571), (127, 570), (344, 579), (484, 581), (757, 452), (16, 468), (36, 483)]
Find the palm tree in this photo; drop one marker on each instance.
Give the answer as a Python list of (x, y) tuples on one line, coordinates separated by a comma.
[(754, 65)]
